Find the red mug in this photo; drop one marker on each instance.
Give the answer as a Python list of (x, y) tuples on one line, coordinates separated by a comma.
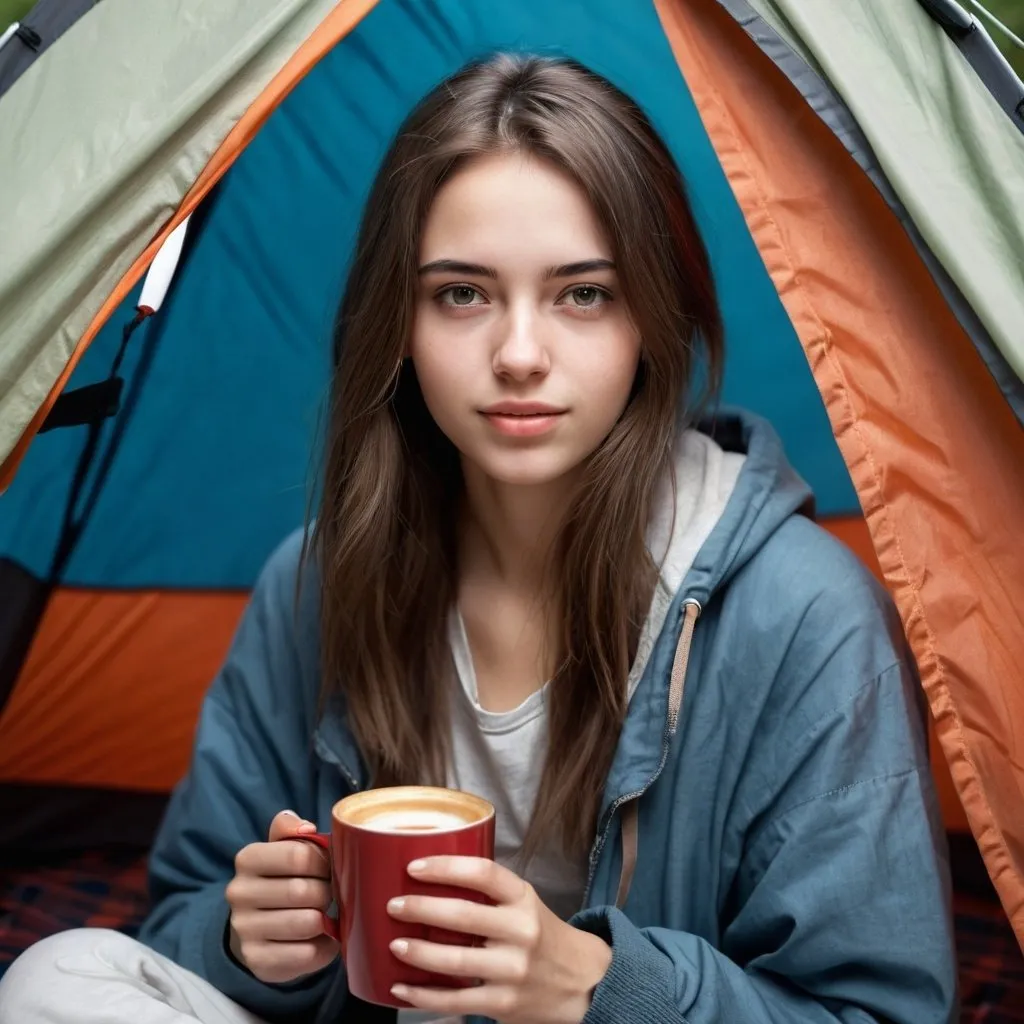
[(374, 836)]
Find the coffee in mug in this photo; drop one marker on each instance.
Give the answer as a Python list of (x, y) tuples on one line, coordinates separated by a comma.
[(374, 835)]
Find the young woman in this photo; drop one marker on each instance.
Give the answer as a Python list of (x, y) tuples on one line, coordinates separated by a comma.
[(526, 547)]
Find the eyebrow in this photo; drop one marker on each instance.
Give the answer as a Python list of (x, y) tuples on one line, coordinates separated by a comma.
[(479, 270)]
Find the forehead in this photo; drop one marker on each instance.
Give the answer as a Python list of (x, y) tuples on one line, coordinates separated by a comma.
[(512, 209)]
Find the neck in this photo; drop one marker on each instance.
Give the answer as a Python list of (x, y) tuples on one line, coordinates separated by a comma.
[(508, 531)]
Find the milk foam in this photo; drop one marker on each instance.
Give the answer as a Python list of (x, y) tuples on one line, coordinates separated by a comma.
[(413, 819)]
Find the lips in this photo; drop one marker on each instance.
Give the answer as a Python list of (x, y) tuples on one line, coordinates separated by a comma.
[(523, 419), (522, 409)]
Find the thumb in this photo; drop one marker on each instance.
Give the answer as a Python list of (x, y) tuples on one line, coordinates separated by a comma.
[(288, 823)]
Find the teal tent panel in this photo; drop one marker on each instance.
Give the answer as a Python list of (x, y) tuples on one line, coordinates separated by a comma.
[(227, 383)]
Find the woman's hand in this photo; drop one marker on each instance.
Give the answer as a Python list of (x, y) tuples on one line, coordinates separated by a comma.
[(533, 968), (276, 897)]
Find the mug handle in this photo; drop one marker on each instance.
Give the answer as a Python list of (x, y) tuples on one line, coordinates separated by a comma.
[(331, 925)]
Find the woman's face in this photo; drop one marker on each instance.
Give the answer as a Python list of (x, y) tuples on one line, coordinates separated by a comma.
[(522, 342)]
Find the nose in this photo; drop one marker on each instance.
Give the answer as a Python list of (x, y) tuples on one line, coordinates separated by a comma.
[(521, 349)]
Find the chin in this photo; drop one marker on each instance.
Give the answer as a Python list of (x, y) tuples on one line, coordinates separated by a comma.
[(526, 468)]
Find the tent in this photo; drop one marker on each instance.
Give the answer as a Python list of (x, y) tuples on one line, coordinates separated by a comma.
[(181, 184)]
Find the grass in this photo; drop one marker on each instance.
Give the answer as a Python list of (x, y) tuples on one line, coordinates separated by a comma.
[(1011, 14), (13, 10)]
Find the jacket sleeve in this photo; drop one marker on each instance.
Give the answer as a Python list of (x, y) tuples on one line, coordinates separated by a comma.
[(841, 911), (251, 759)]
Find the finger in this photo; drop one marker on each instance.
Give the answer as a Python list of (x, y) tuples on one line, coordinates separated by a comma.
[(488, 963), (501, 923), (278, 962), (477, 873), (254, 893), (278, 925), (283, 859), (494, 1001), (288, 823)]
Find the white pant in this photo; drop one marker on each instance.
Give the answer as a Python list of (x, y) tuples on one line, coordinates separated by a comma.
[(96, 976)]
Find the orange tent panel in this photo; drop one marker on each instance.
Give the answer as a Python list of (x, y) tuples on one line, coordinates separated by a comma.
[(922, 426), (82, 711)]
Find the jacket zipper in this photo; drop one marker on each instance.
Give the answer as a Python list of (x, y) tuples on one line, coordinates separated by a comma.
[(327, 755), (671, 722)]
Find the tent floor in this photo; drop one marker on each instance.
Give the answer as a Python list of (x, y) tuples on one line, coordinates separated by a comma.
[(108, 890)]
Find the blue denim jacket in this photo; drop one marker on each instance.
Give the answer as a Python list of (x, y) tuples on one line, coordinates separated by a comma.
[(791, 861)]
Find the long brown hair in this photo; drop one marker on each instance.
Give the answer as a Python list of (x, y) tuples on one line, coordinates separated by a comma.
[(385, 536)]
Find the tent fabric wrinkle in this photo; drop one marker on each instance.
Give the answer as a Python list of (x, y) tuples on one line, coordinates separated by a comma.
[(90, 202), (827, 104), (940, 137)]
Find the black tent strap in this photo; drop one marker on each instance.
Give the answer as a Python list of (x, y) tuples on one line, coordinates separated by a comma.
[(93, 403), (74, 517), (82, 405), (29, 36)]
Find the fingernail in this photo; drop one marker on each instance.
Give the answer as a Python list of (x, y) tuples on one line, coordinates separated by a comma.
[(396, 906), (304, 825), (401, 991), (417, 866), (400, 947)]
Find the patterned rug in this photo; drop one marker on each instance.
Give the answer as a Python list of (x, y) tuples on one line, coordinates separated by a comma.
[(95, 890), (109, 891), (991, 964)]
